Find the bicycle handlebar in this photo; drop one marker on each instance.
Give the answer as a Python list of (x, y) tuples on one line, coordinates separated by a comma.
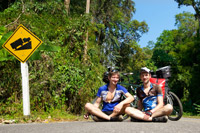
[(126, 74)]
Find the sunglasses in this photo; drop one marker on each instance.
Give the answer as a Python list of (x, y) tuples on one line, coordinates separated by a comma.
[(114, 70)]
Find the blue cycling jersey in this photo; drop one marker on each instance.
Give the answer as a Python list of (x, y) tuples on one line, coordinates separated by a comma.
[(103, 91), (149, 101)]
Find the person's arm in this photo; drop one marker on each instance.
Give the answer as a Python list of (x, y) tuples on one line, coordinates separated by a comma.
[(97, 102), (129, 99), (98, 98), (159, 99), (139, 105)]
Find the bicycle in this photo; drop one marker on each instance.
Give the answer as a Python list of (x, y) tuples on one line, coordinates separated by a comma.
[(131, 89), (163, 73)]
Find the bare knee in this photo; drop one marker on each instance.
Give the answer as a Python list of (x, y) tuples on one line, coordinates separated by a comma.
[(88, 106), (168, 109), (129, 110)]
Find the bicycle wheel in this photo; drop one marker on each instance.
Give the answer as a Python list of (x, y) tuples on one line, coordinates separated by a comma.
[(177, 106)]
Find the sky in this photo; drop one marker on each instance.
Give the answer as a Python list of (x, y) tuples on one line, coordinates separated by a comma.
[(159, 15)]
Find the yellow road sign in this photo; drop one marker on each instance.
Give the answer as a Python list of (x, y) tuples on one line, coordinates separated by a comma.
[(22, 43)]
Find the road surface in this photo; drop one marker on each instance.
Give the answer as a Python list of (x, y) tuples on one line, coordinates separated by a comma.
[(184, 125)]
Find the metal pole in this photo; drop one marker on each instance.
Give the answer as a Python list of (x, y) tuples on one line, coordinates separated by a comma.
[(25, 89)]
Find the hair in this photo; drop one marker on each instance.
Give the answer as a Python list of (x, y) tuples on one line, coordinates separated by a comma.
[(109, 74), (113, 72), (105, 77)]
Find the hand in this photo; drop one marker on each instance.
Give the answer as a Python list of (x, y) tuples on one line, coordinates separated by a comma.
[(118, 108), (86, 116)]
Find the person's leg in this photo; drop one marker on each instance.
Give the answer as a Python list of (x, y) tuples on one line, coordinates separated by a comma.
[(96, 111), (135, 113), (122, 111), (164, 111)]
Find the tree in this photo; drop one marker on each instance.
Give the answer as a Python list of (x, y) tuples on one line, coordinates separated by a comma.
[(115, 27), (180, 49), (166, 41), (196, 5), (186, 23)]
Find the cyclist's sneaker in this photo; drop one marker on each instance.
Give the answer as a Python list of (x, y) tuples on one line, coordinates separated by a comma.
[(97, 119), (137, 120), (160, 119), (117, 118), (134, 120)]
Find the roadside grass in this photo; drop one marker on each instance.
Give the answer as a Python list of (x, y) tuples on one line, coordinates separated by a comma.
[(190, 115), (55, 116), (41, 117)]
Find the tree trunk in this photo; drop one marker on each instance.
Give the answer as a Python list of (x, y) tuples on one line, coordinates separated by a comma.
[(88, 6), (67, 3), (86, 40)]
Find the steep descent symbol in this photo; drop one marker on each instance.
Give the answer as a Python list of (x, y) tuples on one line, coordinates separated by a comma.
[(22, 44)]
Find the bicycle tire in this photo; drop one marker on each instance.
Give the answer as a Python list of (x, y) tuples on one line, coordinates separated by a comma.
[(177, 106)]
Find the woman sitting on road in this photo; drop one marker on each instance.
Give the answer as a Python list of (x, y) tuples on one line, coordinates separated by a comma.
[(112, 105)]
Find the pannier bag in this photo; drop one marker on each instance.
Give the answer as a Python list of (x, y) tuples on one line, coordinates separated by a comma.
[(161, 82), (163, 72)]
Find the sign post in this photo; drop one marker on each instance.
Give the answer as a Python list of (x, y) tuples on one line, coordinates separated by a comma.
[(22, 44), (25, 89)]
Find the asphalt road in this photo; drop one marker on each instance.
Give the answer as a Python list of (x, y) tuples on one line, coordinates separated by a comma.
[(184, 125)]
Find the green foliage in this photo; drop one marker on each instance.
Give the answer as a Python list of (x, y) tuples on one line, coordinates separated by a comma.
[(161, 58), (178, 48), (197, 108), (9, 87), (4, 55), (58, 77), (116, 31), (166, 40), (184, 2), (186, 23), (61, 84), (195, 5), (2, 30)]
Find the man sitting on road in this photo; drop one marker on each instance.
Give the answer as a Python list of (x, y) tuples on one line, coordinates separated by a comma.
[(151, 99), (112, 104)]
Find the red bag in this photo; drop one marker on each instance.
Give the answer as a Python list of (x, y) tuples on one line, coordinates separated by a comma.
[(160, 82)]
